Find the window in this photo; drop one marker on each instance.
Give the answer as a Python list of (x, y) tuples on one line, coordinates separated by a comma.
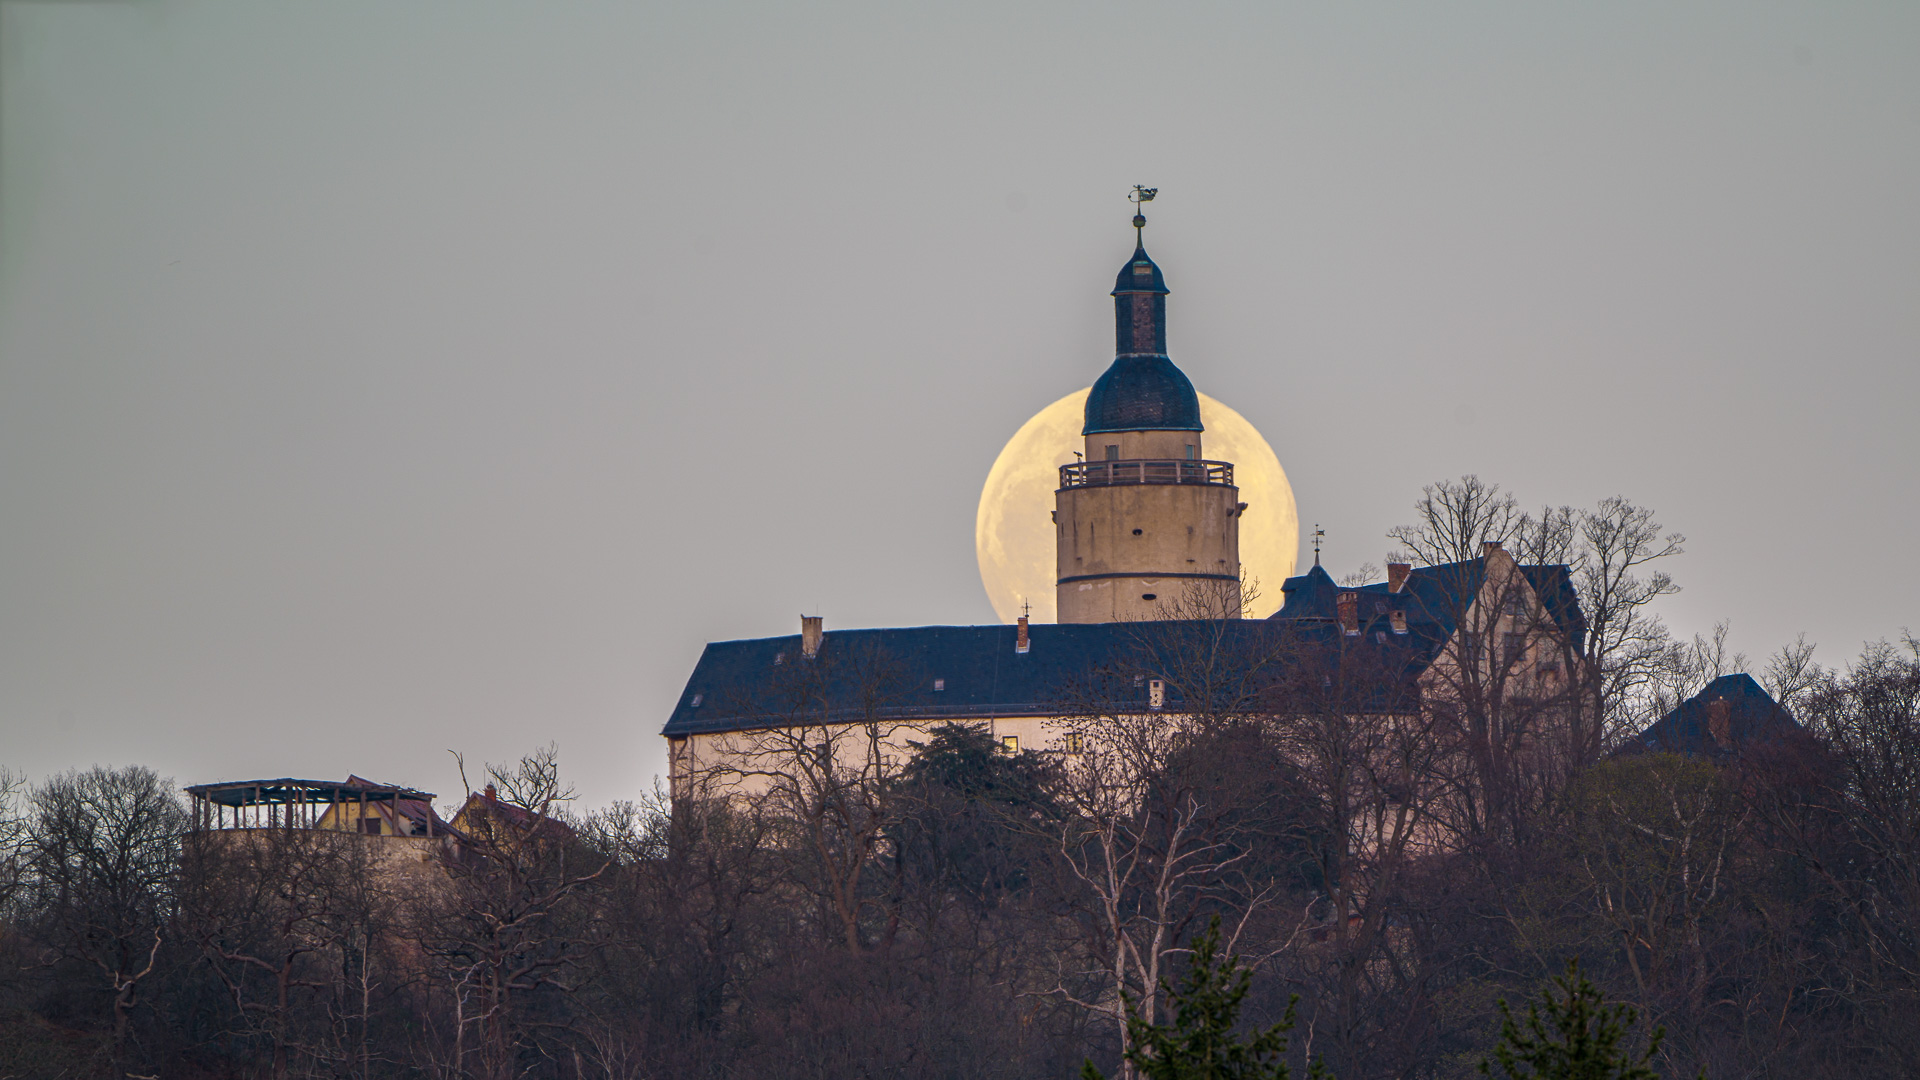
[(1136, 532), (1113, 452), (1513, 648), (370, 826), (1149, 596), (1191, 454), (697, 699), (1073, 742), (1399, 622), (939, 684), (779, 658), (1010, 743)]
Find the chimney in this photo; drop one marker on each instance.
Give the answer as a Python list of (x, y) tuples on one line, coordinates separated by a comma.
[(810, 635), (1488, 548), (1397, 575), (1020, 642), (493, 794), (1349, 607), (1157, 694), (1720, 721)]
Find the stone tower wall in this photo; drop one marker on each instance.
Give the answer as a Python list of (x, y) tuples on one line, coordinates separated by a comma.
[(1129, 552)]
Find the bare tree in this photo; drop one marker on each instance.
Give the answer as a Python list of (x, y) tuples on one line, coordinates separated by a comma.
[(1368, 761), (1609, 655), (1626, 642), (1655, 837), (1505, 683), (101, 851), (1454, 520), (1863, 838), (284, 917), (1165, 800), (1684, 669), (14, 836), (510, 930), (662, 997), (1792, 672), (822, 762)]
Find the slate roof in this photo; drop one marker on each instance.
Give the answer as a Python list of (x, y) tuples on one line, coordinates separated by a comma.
[(1752, 716), (740, 685), (1140, 275), (1430, 599), (1142, 392)]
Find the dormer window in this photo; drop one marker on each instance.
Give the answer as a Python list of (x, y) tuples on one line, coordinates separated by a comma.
[(1156, 694), (939, 684), (1142, 269), (1399, 621), (697, 699)]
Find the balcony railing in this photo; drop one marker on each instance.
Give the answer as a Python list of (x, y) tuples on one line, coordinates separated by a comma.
[(1145, 471)]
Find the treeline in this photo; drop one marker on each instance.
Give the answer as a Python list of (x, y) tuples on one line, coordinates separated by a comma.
[(980, 914), (1389, 858)]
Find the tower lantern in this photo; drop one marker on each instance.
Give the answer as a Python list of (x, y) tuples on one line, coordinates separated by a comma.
[(1145, 521)]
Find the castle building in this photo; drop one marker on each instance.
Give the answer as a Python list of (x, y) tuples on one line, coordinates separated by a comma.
[(1146, 540)]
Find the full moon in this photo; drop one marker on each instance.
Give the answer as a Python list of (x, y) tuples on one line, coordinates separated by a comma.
[(1013, 533)]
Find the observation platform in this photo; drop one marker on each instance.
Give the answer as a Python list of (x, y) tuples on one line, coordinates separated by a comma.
[(353, 805), (1145, 471)]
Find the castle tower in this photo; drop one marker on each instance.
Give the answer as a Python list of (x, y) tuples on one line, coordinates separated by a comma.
[(1146, 521)]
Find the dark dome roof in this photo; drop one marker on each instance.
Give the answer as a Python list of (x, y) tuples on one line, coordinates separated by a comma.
[(1140, 275), (1142, 393)]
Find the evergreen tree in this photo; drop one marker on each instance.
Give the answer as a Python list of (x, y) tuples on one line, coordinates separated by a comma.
[(1578, 1038), (1201, 1043)]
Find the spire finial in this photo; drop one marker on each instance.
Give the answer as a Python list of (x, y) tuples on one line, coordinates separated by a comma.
[(1140, 196), (1318, 532)]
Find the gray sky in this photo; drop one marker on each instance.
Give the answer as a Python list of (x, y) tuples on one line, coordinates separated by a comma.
[(386, 378)]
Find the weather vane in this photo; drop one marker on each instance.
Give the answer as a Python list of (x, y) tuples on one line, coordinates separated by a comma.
[(1140, 197), (1318, 532)]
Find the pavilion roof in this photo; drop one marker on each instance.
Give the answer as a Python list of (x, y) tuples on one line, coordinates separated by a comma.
[(288, 790)]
